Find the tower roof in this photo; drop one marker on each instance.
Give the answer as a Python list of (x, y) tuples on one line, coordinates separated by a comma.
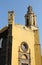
[(29, 11), (29, 8)]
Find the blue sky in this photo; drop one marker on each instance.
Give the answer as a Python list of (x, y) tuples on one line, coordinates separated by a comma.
[(20, 9)]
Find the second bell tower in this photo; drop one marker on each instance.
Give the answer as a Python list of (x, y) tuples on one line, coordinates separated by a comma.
[(30, 18)]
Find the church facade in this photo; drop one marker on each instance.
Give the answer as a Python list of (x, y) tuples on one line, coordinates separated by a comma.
[(19, 44)]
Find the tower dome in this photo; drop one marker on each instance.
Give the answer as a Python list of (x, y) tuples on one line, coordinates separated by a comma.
[(30, 9)]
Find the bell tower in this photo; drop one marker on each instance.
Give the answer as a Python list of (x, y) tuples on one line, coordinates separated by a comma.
[(30, 17)]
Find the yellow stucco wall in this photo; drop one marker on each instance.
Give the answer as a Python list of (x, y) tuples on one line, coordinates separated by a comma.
[(37, 48), (21, 34), (41, 60), (37, 54)]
